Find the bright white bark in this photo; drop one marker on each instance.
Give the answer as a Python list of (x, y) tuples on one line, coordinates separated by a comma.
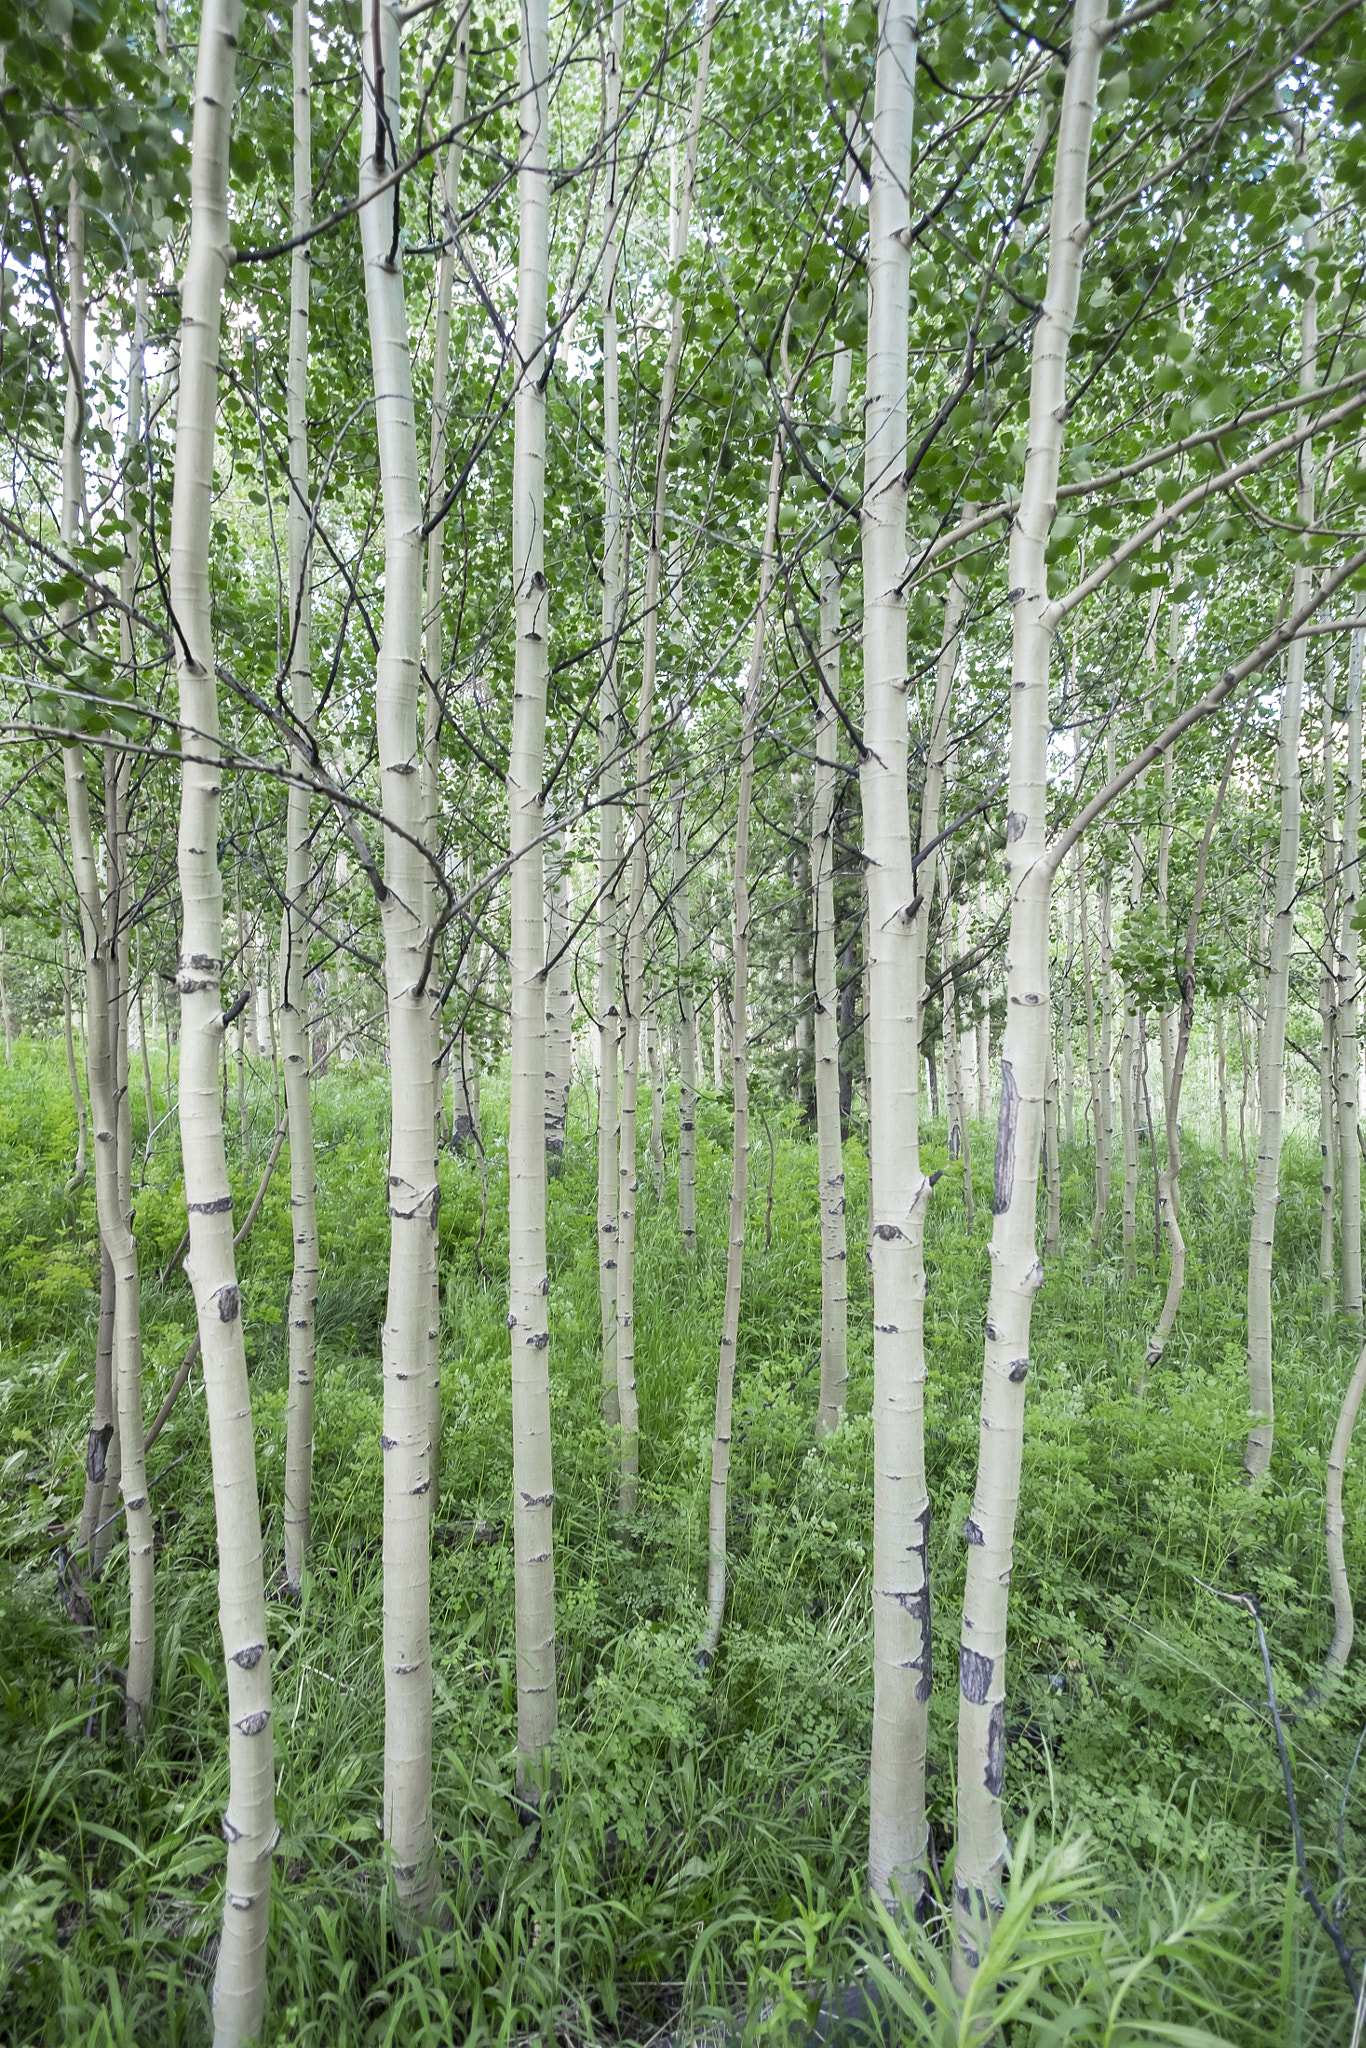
[(412, 1180), (1271, 1052), (829, 1144), (895, 952), (739, 1181), (609, 731), (528, 1315), (249, 1823), (294, 930), (1348, 1060), (635, 916), (1015, 1269), (655, 1064)]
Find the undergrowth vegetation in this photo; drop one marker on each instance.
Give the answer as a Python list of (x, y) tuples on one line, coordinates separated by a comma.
[(703, 1848)]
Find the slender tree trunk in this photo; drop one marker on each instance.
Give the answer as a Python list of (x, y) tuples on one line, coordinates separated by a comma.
[(1344, 1621), (412, 1180), (635, 916), (610, 734), (1328, 1122), (1271, 1058), (1016, 1272), (983, 1069), (73, 1071), (735, 1257), (249, 1824), (687, 1027), (826, 1018), (1348, 1058), (1221, 1059), (528, 1318), (969, 1040), (559, 1007), (4, 1004), (1069, 1115), (1052, 1243), (295, 924), (895, 953), (434, 665)]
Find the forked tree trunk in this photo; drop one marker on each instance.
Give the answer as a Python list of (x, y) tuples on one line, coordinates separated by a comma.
[(1271, 1052), (249, 1823), (610, 731), (528, 1315), (826, 1046), (1015, 1269), (1349, 1169), (628, 1407), (894, 951), (296, 919), (412, 1181), (739, 1182)]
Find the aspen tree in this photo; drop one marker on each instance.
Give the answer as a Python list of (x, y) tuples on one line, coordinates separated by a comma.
[(99, 930), (826, 1048), (249, 1823), (968, 1073), (739, 1180), (1016, 1271), (655, 1065), (295, 921), (1069, 1129), (533, 1492), (1328, 877), (1344, 1620), (1349, 1169), (687, 1022), (894, 950), (609, 724), (433, 653), (628, 1408), (1271, 1050), (405, 1340)]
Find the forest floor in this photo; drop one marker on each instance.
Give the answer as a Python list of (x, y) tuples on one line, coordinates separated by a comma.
[(704, 1850)]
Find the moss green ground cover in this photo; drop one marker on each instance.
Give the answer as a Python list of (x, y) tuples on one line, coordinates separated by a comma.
[(703, 1849)]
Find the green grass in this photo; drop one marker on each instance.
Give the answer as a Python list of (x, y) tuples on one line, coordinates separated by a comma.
[(705, 1845)]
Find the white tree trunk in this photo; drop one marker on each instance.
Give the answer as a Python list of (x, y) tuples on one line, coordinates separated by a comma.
[(687, 1024), (528, 1314), (895, 953), (739, 1183), (249, 1823), (1271, 1052), (1328, 984), (1015, 1269), (609, 732), (635, 917), (1348, 1059), (1343, 1618), (412, 1181), (295, 922), (559, 1006)]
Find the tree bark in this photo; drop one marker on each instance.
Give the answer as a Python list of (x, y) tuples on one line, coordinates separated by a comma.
[(1328, 985), (249, 1824), (528, 1315), (1016, 1271), (739, 1183), (687, 1025), (404, 902), (296, 919), (1348, 1059), (635, 916), (1271, 1052), (894, 952), (610, 732), (1344, 1621)]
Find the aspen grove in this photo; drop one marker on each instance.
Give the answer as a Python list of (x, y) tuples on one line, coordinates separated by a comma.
[(680, 905)]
